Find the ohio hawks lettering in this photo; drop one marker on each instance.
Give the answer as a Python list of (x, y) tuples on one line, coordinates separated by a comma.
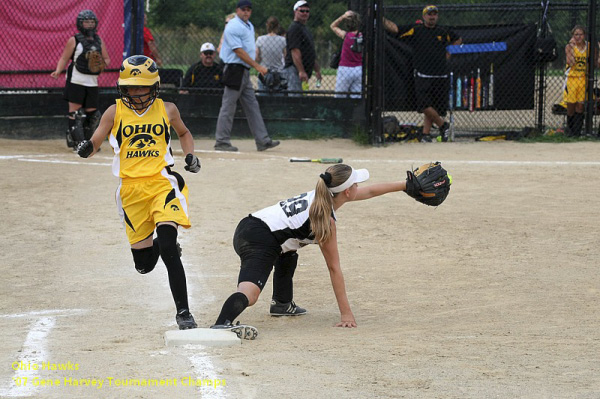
[(142, 145), (156, 130), (142, 138), (137, 154)]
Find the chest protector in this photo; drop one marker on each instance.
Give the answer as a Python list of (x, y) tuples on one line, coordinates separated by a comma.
[(81, 63)]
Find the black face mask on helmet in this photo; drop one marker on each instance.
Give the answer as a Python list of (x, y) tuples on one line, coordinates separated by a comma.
[(87, 15), (138, 71), (133, 101)]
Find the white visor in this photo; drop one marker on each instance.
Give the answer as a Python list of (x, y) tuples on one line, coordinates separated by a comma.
[(357, 176)]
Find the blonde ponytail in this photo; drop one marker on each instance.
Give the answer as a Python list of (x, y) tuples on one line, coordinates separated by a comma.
[(322, 206)]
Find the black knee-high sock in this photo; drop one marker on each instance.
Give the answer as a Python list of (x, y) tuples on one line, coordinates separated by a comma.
[(232, 308), (167, 240), (156, 249), (283, 283), (577, 123), (145, 259), (570, 124)]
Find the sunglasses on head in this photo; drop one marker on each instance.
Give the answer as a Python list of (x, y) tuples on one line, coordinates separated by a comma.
[(304, 11), (208, 52)]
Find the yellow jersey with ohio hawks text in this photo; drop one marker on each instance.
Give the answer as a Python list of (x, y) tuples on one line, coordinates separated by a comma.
[(142, 143), (580, 67)]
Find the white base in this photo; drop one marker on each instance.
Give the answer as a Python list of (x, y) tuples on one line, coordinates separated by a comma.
[(201, 336)]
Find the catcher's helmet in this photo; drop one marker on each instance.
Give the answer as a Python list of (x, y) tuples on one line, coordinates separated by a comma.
[(138, 71), (86, 15)]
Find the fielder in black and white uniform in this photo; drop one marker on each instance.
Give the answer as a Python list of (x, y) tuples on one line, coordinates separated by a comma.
[(271, 237), (81, 90)]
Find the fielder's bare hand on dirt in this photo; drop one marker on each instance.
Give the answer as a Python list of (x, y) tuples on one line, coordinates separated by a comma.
[(272, 236)]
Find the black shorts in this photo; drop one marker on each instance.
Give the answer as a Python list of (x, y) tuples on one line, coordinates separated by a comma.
[(432, 92), (258, 250), (84, 95)]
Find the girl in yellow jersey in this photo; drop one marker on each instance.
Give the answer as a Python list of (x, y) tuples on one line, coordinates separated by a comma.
[(150, 195), (576, 52)]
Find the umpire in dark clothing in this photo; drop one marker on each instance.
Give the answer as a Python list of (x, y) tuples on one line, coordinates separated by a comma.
[(430, 61), (301, 57)]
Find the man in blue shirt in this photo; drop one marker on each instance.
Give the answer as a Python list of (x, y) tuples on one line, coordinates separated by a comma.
[(238, 53)]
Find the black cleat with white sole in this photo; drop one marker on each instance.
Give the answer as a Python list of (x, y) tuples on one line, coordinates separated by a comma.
[(242, 331), (285, 309)]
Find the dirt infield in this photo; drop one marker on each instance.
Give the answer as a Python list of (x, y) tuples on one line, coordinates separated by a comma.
[(493, 294)]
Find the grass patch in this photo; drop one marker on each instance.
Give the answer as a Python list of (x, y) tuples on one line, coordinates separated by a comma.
[(360, 136), (304, 135), (556, 138)]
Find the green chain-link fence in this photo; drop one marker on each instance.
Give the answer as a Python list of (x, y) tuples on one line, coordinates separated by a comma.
[(180, 32), (497, 82)]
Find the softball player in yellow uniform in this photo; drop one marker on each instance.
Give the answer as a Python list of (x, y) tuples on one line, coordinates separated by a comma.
[(150, 195), (576, 52)]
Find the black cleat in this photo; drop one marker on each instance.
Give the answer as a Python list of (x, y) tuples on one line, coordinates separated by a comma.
[(225, 147), (270, 144), (242, 331), (285, 309), (444, 130), (185, 320), (426, 138)]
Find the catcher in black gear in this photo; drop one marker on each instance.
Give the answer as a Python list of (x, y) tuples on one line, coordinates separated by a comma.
[(86, 57), (429, 184)]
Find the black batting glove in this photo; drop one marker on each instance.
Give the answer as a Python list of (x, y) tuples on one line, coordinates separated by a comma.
[(193, 163), (85, 148)]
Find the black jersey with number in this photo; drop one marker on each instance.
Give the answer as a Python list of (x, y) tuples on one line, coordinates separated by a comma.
[(289, 222)]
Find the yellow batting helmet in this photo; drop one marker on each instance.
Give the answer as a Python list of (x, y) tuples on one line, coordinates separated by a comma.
[(138, 71)]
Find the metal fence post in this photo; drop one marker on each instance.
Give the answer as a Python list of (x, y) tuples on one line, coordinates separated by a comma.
[(542, 69), (374, 73), (591, 67), (368, 62)]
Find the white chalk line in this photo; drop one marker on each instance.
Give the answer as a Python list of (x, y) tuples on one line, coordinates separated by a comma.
[(57, 312), (34, 348), (202, 365), (36, 158), (34, 351), (200, 360), (3, 157), (204, 369), (483, 162), (58, 161)]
